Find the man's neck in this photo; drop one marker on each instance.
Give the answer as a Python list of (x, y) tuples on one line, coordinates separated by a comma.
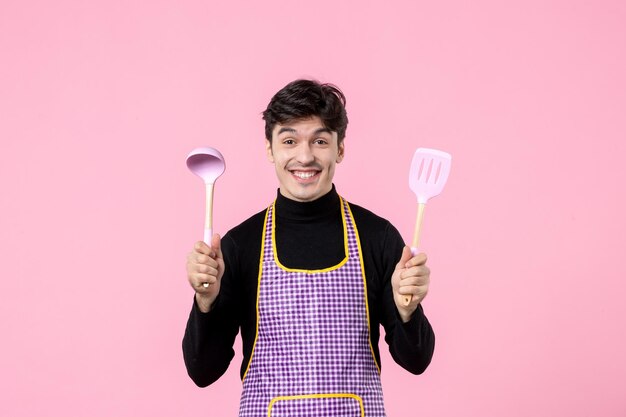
[(296, 210)]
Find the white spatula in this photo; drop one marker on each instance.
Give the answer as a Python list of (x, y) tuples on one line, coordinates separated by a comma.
[(428, 175)]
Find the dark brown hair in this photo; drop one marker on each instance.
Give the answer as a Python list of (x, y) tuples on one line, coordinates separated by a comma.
[(302, 99)]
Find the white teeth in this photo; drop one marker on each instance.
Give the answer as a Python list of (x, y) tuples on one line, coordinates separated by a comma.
[(304, 175)]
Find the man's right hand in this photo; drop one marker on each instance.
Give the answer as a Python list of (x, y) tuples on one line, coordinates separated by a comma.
[(205, 268)]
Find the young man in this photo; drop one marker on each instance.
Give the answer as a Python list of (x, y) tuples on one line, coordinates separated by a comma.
[(307, 280)]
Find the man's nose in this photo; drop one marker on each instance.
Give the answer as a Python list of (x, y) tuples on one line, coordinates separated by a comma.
[(305, 154)]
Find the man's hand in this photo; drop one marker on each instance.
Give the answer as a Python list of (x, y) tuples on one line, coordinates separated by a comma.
[(205, 268), (411, 278)]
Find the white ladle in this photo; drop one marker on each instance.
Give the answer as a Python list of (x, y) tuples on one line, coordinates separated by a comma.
[(208, 164)]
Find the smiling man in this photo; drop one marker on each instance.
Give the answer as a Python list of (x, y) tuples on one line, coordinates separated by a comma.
[(308, 281)]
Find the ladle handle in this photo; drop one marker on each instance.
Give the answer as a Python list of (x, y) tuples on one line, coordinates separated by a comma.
[(208, 219), (208, 234)]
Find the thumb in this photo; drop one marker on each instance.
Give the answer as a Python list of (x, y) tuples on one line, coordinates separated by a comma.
[(406, 255), (216, 245)]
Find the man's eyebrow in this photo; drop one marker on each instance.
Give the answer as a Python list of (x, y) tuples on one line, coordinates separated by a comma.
[(323, 130), (292, 130), (286, 129)]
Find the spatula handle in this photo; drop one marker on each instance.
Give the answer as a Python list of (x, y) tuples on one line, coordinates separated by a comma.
[(418, 225), (416, 240)]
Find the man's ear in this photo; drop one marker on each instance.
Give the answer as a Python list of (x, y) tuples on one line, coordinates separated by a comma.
[(268, 150), (340, 153)]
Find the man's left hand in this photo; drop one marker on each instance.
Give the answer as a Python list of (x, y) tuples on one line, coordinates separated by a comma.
[(411, 278)]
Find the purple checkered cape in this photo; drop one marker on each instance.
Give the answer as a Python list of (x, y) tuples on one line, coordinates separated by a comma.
[(312, 356)]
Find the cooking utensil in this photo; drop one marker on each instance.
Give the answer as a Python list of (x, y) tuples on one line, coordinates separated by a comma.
[(208, 164), (428, 175)]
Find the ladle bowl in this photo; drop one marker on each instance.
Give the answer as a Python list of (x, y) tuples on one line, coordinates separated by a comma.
[(208, 164)]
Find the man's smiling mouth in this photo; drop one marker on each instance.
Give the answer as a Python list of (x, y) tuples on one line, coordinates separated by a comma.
[(304, 175)]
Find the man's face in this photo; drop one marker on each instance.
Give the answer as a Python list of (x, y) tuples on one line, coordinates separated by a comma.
[(304, 154)]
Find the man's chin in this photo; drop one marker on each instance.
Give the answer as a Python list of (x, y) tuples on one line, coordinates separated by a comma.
[(300, 195)]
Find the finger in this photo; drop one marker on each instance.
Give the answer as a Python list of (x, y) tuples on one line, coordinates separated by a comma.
[(419, 259), (216, 245), (200, 278), (206, 269), (415, 271), (416, 291), (199, 258), (196, 258), (419, 281), (407, 290), (406, 255), (201, 247)]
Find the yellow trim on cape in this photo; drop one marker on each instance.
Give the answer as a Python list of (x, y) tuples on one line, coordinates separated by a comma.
[(312, 396), (258, 292), (313, 271), (367, 306)]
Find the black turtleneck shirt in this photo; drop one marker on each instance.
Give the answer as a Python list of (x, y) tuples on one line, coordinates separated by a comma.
[(308, 236)]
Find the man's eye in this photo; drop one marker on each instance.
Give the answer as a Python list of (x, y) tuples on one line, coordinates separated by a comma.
[(288, 141), (321, 141)]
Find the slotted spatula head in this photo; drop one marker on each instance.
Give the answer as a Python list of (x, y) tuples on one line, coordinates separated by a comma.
[(429, 172)]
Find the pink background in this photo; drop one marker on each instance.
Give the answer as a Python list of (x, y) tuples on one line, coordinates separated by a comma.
[(101, 101)]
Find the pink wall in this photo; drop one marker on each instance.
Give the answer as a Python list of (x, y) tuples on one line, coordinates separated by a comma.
[(101, 101)]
